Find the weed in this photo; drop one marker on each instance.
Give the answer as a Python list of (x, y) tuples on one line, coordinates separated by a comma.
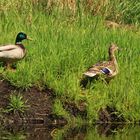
[(16, 104)]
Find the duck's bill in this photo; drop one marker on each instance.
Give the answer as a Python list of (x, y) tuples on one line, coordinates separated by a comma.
[(28, 38)]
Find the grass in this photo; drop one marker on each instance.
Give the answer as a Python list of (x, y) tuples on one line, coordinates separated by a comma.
[(59, 110), (16, 104), (63, 47)]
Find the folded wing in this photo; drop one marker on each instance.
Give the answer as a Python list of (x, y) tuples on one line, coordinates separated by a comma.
[(10, 52)]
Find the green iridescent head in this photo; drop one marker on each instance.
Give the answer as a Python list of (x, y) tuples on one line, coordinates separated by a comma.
[(20, 36)]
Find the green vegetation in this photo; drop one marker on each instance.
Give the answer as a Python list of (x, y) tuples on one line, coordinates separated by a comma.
[(16, 104), (65, 45), (59, 110)]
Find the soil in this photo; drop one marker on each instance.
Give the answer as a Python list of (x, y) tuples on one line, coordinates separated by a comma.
[(39, 111), (110, 114), (39, 102)]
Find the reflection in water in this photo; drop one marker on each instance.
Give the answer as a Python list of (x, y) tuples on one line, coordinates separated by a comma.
[(107, 129), (84, 132), (31, 132)]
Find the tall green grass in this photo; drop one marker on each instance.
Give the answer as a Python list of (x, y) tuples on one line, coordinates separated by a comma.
[(63, 48)]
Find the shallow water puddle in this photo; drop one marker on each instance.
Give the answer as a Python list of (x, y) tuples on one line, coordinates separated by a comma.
[(84, 132)]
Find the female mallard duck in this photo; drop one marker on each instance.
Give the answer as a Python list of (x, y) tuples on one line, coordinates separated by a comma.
[(13, 53), (107, 68)]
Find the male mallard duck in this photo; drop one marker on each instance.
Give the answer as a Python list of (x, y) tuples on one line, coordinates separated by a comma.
[(13, 53), (107, 68)]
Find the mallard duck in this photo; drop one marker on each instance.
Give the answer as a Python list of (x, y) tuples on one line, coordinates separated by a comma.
[(108, 69), (13, 53)]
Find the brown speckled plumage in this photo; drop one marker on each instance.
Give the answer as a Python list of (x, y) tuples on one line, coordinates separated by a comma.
[(107, 68)]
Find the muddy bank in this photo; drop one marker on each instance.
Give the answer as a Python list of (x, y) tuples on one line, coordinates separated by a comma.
[(40, 108)]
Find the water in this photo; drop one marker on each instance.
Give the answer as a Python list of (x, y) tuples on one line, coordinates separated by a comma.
[(84, 132)]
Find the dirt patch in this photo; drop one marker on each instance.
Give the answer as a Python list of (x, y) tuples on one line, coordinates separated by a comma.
[(110, 114), (78, 109), (39, 104)]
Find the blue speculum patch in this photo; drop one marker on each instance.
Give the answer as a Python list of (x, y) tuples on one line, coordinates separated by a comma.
[(105, 70)]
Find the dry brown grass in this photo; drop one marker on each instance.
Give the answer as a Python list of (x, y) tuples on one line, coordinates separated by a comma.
[(117, 10), (64, 4)]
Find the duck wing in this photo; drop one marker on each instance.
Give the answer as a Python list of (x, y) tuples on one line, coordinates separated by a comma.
[(99, 68), (11, 52), (7, 48)]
